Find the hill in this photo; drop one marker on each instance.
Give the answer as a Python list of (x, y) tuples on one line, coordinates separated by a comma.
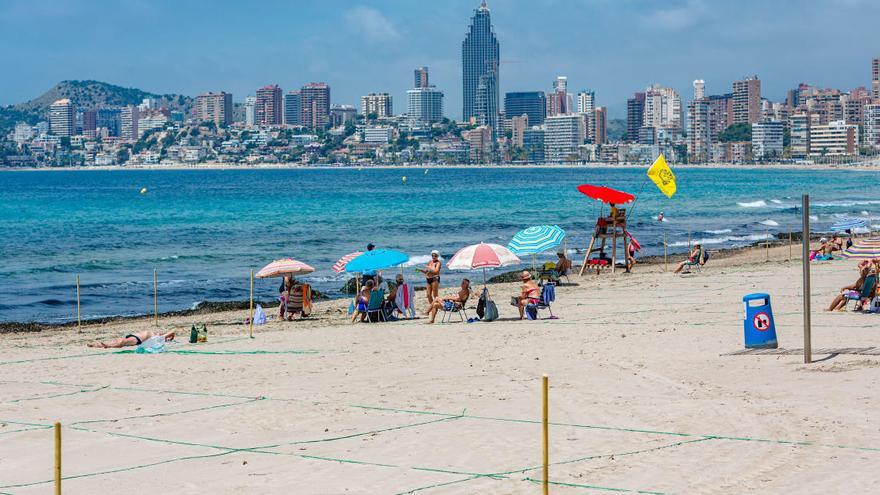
[(85, 94)]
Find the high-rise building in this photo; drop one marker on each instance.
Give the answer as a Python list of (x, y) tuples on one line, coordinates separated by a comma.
[(699, 89), (747, 101), (480, 142), (250, 111), (599, 129), (559, 101), (378, 104), (128, 123), (875, 79), (89, 123), (425, 106), (108, 118), (269, 106), (23, 133), (799, 127), (662, 108), (562, 136), (293, 108), (834, 139), (342, 114), (698, 138), (533, 144), (480, 58), (635, 116), (767, 140), (872, 126), (315, 105), (531, 103), (421, 77), (586, 101), (215, 107), (518, 126), (62, 118)]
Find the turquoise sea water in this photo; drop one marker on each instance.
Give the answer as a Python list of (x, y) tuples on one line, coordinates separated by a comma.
[(203, 230)]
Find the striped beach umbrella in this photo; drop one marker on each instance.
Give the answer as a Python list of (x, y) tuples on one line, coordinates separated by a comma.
[(863, 250), (537, 239), (849, 224), (482, 256), (340, 265), (283, 267)]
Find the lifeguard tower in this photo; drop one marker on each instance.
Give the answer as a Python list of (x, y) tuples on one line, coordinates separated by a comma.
[(611, 227)]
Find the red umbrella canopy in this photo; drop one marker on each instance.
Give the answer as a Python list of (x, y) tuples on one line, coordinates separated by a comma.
[(605, 194)]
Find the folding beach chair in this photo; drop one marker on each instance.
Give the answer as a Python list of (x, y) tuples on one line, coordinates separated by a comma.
[(375, 312), (865, 294), (452, 307), (696, 266), (548, 296)]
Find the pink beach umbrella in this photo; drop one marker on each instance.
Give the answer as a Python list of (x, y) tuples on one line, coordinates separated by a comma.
[(286, 266), (340, 265), (482, 256)]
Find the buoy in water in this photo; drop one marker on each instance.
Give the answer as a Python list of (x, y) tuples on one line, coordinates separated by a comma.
[(403, 179), (426, 171), (143, 190)]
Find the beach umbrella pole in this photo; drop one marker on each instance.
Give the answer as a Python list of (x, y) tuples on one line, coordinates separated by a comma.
[(546, 434), (808, 351), (155, 299), (78, 318), (251, 306)]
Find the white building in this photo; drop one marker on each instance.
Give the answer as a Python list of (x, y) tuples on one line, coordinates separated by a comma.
[(425, 106), (378, 104), (377, 134), (799, 125), (872, 126), (23, 133), (128, 123), (699, 89), (835, 138), (662, 108), (62, 118), (586, 102), (250, 111), (150, 122), (767, 140), (562, 136)]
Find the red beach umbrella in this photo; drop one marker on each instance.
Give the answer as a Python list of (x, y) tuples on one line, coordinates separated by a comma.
[(605, 194)]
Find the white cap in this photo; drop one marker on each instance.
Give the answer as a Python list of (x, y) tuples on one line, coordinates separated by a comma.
[(435, 252), (823, 239)]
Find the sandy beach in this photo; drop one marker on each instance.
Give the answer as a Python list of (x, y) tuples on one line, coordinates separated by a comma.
[(644, 397)]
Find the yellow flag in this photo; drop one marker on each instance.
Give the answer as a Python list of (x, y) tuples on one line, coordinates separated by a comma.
[(662, 176)]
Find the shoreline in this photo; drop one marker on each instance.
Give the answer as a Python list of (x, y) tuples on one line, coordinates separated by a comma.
[(862, 167), (211, 307)]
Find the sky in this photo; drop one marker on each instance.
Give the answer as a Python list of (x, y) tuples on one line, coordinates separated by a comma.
[(613, 47)]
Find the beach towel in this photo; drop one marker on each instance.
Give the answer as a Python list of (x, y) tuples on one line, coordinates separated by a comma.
[(548, 294), (405, 300), (259, 316)]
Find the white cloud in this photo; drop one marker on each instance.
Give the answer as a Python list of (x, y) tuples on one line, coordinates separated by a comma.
[(676, 18), (371, 24)]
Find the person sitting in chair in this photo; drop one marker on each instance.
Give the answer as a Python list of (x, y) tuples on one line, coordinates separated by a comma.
[(563, 266), (696, 258), (530, 293), (450, 302), (362, 302)]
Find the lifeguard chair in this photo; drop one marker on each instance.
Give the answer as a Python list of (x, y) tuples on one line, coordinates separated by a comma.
[(611, 227)]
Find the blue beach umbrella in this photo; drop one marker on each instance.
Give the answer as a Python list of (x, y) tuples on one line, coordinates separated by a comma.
[(849, 224), (537, 239), (377, 259)]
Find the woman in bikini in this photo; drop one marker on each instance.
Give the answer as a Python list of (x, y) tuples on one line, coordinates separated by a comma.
[(131, 340), (363, 301), (530, 293), (432, 276)]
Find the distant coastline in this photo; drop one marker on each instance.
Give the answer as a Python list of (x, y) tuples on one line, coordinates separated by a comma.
[(293, 166)]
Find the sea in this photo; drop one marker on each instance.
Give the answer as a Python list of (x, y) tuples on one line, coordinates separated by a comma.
[(203, 231)]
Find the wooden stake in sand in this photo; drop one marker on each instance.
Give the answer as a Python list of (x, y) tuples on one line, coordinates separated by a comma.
[(689, 240), (155, 299), (546, 438), (767, 242), (808, 351), (78, 318), (57, 458), (665, 259), (252, 305), (789, 245)]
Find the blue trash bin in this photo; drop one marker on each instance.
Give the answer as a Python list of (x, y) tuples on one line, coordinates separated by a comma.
[(758, 325)]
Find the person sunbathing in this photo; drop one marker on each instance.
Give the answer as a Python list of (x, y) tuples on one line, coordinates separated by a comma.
[(131, 340), (450, 302), (530, 293), (696, 258)]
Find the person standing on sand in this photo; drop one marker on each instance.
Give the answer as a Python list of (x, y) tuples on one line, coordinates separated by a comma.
[(432, 276), (131, 340)]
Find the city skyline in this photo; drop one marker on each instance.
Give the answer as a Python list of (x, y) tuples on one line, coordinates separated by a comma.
[(393, 37)]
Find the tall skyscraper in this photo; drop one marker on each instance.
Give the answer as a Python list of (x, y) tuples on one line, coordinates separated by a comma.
[(250, 111), (599, 129), (559, 101), (662, 108), (747, 101), (563, 135), (586, 101), (315, 105), (128, 123), (425, 106), (268, 106), (421, 77), (293, 108), (875, 79), (89, 123), (62, 118), (214, 107), (378, 104), (531, 103), (699, 89), (108, 118), (635, 116), (480, 58)]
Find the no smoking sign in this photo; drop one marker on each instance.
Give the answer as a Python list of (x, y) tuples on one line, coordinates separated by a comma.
[(761, 322)]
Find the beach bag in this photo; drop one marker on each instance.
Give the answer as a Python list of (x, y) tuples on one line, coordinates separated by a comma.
[(491, 311), (532, 311), (705, 256), (259, 316)]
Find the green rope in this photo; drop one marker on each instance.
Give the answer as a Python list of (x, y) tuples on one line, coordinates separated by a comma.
[(437, 485), (65, 394), (32, 428), (593, 487), (222, 353), (160, 415)]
